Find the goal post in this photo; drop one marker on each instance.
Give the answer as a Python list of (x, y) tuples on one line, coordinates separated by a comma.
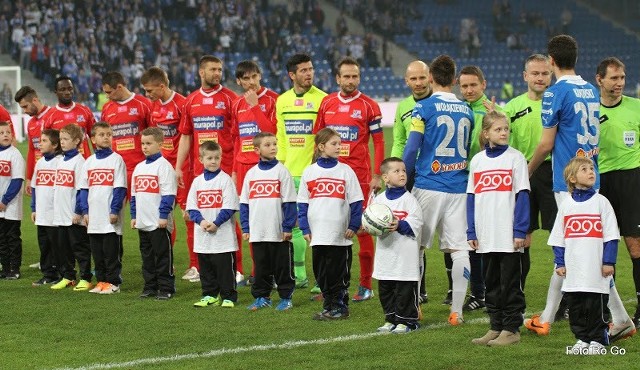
[(11, 77)]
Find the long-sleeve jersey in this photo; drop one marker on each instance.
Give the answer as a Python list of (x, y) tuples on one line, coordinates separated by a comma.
[(619, 131)]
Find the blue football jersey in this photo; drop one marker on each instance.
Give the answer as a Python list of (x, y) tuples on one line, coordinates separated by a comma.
[(573, 106), (445, 124)]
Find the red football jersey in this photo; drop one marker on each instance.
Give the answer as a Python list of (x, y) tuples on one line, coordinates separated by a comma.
[(166, 115), (207, 117), (77, 113), (127, 119), (5, 116), (354, 117), (34, 130), (248, 121)]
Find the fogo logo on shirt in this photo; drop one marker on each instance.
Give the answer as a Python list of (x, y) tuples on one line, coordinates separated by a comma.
[(147, 184), (582, 226), (46, 178), (209, 198), (101, 177), (400, 215), (493, 180), (65, 178), (324, 187), (264, 189), (5, 168)]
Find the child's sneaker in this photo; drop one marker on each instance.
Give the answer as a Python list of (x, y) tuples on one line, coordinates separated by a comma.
[(580, 348), (534, 324), (98, 288), (109, 288), (284, 305), (316, 289), (206, 301), (227, 304), (386, 328), (504, 339), (448, 298), (239, 277), (35, 265), (489, 336), (401, 329), (423, 298), (13, 275), (337, 314), (473, 304), (596, 348), (621, 331), (455, 319), (636, 317), (82, 286), (43, 281), (260, 302), (148, 294), (63, 283), (164, 296), (191, 273), (363, 294)]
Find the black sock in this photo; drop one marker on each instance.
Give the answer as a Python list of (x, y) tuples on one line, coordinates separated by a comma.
[(636, 276), (423, 288), (448, 264)]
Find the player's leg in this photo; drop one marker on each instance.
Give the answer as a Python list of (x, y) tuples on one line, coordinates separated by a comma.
[(425, 199), (365, 256), (476, 282), (282, 262), (163, 254), (192, 273), (225, 265), (407, 305), (299, 250), (491, 269), (512, 298), (241, 173), (448, 264), (262, 283), (387, 295), (80, 245)]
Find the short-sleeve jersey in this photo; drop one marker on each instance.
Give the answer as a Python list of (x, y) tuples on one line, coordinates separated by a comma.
[(11, 167), (127, 119), (43, 182), (210, 197), (445, 124), (34, 131), (166, 116), (397, 256), (207, 117), (296, 116), (495, 183), (573, 106), (582, 228), (249, 121), (329, 192), (150, 182), (525, 124), (355, 118), (67, 184), (619, 130), (100, 177), (76, 113)]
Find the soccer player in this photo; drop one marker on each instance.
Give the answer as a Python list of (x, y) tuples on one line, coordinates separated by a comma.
[(570, 117), (166, 112), (67, 111), (440, 131), (619, 159), (296, 112), (128, 114), (206, 116), (356, 117)]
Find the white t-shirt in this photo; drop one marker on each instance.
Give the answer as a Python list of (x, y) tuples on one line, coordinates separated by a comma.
[(582, 228), (65, 189), (11, 167), (265, 192), (495, 183), (43, 181), (398, 256), (209, 197), (149, 183), (101, 176), (329, 192)]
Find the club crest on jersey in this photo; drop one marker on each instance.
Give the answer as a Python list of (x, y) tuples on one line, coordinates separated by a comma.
[(435, 166), (310, 105), (493, 180), (65, 178), (357, 114), (583, 226), (264, 189), (587, 154), (101, 177), (629, 138), (133, 111), (169, 115), (209, 198), (80, 119), (146, 184), (263, 107), (400, 215), (220, 105), (324, 187), (45, 177)]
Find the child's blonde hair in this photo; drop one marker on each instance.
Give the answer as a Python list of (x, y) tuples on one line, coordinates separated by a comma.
[(487, 121), (322, 137), (572, 170), (74, 131)]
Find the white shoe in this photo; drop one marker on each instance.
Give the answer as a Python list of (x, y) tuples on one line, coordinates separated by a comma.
[(386, 328), (110, 289), (401, 329), (596, 348), (580, 348), (191, 273), (239, 277), (35, 265)]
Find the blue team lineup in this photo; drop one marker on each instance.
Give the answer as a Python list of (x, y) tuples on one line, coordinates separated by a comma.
[(284, 173)]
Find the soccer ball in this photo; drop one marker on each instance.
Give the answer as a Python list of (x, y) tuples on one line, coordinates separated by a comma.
[(376, 218)]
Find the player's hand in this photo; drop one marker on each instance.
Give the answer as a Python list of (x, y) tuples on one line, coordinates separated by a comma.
[(490, 105), (349, 234), (28, 188), (180, 178), (286, 236), (113, 218), (607, 270), (185, 215), (393, 226), (518, 243), (376, 183), (527, 241), (133, 223), (562, 271), (33, 217), (251, 97), (245, 236), (234, 178), (162, 223), (86, 219), (473, 244), (307, 237), (76, 219)]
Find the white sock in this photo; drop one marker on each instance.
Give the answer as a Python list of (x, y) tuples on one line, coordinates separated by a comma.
[(460, 276), (554, 296), (619, 314)]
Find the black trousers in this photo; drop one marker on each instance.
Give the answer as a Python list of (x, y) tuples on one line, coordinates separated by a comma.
[(10, 245), (504, 295), (589, 316), (476, 280), (332, 268), (73, 245), (399, 301), (107, 257), (218, 275), (48, 244), (526, 265), (273, 261), (157, 260)]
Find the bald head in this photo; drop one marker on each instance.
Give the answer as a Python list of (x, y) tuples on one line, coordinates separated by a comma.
[(416, 77)]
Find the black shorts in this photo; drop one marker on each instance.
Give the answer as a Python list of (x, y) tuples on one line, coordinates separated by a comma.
[(621, 189), (541, 198)]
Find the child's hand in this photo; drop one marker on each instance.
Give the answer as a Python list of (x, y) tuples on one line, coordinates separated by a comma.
[(518, 243), (77, 219), (349, 234), (245, 236), (527, 241), (212, 228), (162, 223), (133, 223), (393, 226), (113, 218), (185, 215), (28, 188), (33, 217), (607, 270), (286, 236), (3, 207), (307, 237), (86, 219), (204, 224), (562, 271), (473, 244)]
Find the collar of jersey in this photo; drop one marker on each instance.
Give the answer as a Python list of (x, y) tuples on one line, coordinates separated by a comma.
[(582, 195), (349, 98), (209, 175), (173, 93), (44, 110), (267, 165), (70, 154), (212, 92), (495, 151), (133, 95), (103, 153), (61, 108), (152, 158), (394, 193), (327, 162)]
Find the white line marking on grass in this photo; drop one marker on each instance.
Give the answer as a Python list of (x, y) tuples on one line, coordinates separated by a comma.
[(263, 347)]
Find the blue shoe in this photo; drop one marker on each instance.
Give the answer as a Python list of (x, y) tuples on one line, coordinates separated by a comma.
[(259, 303), (363, 294), (284, 305)]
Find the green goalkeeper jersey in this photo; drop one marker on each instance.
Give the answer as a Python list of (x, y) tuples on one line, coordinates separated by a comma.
[(525, 124), (479, 111), (619, 129), (296, 116), (402, 125)]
